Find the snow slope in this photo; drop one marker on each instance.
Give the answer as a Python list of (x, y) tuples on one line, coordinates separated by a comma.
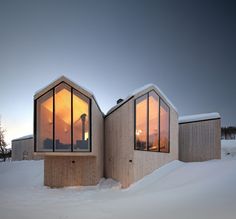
[(176, 190), (228, 149)]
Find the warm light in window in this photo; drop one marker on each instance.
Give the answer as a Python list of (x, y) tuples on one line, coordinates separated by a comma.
[(86, 135), (138, 132)]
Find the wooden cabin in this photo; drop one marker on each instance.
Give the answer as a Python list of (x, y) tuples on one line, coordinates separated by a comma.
[(137, 136), (69, 133), (141, 135), (23, 148), (199, 137)]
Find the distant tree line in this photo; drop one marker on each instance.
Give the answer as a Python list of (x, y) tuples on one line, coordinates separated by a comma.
[(228, 132)]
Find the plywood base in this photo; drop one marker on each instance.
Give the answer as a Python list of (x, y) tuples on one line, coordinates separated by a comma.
[(70, 171)]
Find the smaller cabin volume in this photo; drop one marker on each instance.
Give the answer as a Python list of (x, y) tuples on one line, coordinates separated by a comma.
[(199, 137), (141, 135)]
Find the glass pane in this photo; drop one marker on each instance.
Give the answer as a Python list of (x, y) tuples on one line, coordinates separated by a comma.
[(80, 122), (44, 137), (141, 123), (164, 127), (63, 118), (153, 121)]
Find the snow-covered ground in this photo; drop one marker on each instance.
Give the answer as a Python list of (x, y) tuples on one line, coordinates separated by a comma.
[(177, 190), (228, 149)]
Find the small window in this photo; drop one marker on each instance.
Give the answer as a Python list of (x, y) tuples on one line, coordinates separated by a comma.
[(151, 123)]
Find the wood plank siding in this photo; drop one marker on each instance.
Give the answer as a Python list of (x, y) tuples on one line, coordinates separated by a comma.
[(200, 140)]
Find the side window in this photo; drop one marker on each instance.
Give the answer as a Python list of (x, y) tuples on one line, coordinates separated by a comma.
[(153, 121), (152, 129), (141, 123), (164, 127), (80, 122), (44, 120)]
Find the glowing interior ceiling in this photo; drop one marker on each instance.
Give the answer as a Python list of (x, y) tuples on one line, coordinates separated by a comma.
[(141, 110), (63, 106)]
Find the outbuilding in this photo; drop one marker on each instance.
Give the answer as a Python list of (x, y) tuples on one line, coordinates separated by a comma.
[(23, 148), (200, 137)]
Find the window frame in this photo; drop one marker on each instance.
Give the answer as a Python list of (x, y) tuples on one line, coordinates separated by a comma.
[(159, 119), (54, 144)]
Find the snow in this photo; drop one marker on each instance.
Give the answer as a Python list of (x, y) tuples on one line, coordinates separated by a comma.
[(199, 117), (136, 91), (228, 149), (176, 190), (23, 137)]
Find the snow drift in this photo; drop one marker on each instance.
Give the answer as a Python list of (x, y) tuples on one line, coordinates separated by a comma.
[(176, 190)]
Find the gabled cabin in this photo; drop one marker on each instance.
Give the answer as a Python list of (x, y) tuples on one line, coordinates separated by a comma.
[(68, 132), (141, 135)]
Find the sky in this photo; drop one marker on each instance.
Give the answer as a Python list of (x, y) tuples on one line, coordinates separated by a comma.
[(185, 47)]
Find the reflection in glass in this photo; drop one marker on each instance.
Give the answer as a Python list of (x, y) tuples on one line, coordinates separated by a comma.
[(153, 121), (80, 121), (164, 127), (44, 137), (63, 118), (141, 123)]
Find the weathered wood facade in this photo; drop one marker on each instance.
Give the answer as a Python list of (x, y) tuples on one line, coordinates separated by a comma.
[(122, 162), (200, 138), (23, 149)]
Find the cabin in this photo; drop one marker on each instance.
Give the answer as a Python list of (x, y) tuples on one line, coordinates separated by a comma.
[(200, 137), (80, 144), (23, 148), (69, 133), (141, 135)]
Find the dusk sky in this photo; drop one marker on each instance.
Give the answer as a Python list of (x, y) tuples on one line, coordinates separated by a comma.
[(187, 48)]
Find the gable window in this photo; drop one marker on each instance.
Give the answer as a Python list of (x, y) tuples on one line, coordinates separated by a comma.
[(151, 123), (62, 120)]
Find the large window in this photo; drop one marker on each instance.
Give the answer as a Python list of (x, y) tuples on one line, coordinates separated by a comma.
[(151, 123), (141, 123), (164, 127), (62, 121), (44, 120)]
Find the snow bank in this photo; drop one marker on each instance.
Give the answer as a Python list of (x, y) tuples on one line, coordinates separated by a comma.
[(177, 190), (199, 117), (228, 149)]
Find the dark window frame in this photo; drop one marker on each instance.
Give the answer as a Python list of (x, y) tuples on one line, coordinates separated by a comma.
[(90, 122), (159, 136)]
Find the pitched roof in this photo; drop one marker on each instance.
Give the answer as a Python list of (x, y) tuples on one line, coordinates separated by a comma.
[(139, 90)]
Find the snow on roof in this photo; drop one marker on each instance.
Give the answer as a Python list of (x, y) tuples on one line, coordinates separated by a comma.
[(63, 78), (136, 91), (199, 117), (23, 137)]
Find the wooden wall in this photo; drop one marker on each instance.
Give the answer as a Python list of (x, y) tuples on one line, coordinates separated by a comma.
[(200, 140), (119, 144), (60, 171), (23, 149), (146, 162), (122, 162)]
